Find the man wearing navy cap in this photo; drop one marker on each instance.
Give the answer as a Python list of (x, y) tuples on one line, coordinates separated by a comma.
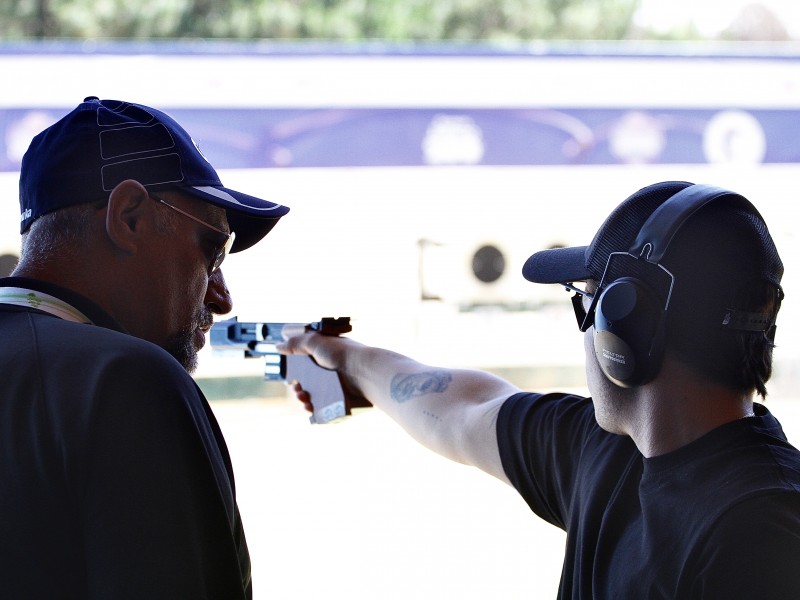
[(116, 481), (669, 481)]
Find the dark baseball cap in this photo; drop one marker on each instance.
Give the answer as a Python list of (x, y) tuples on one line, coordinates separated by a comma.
[(722, 247), (101, 143)]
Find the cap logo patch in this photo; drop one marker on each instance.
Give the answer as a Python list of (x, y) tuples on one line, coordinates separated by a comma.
[(152, 170), (125, 141)]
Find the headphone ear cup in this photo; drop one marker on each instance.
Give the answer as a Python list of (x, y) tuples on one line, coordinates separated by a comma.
[(627, 332)]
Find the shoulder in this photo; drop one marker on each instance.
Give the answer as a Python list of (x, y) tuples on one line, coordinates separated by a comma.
[(100, 348), (83, 368), (754, 545), (774, 512), (549, 418), (128, 369), (753, 541), (53, 351), (551, 443)]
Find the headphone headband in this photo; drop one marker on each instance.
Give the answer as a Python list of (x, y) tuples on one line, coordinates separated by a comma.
[(656, 234)]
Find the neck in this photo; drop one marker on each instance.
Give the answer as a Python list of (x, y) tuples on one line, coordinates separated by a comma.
[(53, 274), (679, 407), (67, 276)]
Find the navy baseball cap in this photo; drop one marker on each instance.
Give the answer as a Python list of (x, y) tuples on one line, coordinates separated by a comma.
[(101, 143), (616, 234)]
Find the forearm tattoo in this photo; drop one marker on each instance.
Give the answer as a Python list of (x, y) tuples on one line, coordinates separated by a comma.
[(405, 386)]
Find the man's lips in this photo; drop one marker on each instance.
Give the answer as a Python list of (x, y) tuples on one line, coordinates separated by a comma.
[(200, 335)]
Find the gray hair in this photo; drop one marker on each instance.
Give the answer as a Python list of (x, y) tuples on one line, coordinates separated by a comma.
[(67, 231), (57, 233)]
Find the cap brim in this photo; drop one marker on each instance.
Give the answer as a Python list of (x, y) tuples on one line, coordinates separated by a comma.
[(249, 217), (557, 265)]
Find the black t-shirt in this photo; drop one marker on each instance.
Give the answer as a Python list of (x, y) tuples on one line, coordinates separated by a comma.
[(115, 481), (718, 518)]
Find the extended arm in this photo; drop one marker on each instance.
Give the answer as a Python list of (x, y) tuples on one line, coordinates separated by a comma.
[(451, 411)]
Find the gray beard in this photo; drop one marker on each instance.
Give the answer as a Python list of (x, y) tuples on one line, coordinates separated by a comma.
[(181, 346)]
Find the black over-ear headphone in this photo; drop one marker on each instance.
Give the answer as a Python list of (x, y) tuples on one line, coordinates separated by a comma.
[(633, 297)]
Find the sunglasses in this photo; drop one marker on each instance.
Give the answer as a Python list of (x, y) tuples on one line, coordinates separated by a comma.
[(585, 318), (224, 248)]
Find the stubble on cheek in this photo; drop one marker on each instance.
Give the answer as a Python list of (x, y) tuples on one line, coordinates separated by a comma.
[(183, 346)]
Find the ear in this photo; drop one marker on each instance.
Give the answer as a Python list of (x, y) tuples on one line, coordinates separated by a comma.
[(128, 207)]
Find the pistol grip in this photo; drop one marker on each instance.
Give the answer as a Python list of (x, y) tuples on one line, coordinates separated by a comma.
[(327, 396)]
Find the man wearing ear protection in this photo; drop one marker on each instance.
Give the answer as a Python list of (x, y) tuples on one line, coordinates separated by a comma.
[(669, 481)]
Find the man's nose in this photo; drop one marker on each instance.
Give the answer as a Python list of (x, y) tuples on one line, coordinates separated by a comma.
[(218, 297)]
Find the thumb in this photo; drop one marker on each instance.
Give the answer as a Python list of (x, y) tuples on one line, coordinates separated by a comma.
[(297, 344)]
